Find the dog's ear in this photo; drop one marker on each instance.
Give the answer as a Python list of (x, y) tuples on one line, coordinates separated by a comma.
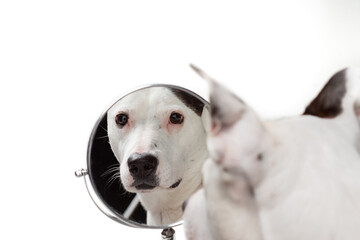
[(225, 107), (328, 103), (340, 96), (237, 139)]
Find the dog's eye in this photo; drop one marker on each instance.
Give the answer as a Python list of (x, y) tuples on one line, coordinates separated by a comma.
[(121, 119), (176, 118)]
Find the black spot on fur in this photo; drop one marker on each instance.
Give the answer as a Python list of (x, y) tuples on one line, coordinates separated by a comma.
[(183, 207), (328, 103), (251, 191), (176, 184), (214, 109), (189, 100), (223, 115)]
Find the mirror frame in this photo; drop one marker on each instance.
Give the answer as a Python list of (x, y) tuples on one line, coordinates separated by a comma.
[(94, 195)]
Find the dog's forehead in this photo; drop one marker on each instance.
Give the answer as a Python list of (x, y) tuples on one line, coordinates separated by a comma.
[(129, 101), (158, 97), (154, 98)]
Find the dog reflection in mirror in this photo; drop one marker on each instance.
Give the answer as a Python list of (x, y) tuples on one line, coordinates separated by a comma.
[(297, 178), (157, 135)]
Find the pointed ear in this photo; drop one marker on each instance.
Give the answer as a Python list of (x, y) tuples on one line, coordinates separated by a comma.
[(238, 140), (329, 102), (225, 108)]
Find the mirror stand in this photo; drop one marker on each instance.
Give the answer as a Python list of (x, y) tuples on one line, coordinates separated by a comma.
[(168, 234)]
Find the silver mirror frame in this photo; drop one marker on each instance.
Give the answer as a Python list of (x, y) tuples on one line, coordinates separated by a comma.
[(85, 173)]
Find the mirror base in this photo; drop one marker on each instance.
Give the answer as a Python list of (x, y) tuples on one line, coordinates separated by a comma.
[(168, 234)]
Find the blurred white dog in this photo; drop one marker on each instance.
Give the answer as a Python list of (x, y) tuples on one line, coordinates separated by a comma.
[(291, 179), (157, 135)]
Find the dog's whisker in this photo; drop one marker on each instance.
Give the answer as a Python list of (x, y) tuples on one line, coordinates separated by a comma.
[(112, 179), (125, 193), (113, 172), (112, 168), (102, 137), (103, 128), (114, 165)]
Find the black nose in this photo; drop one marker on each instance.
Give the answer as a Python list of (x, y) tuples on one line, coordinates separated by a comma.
[(143, 165)]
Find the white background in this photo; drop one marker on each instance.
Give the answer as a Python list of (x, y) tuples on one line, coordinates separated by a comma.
[(63, 62)]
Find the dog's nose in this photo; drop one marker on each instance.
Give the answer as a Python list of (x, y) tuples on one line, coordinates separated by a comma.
[(142, 165)]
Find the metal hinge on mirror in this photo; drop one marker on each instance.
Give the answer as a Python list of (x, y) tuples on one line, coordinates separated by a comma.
[(168, 234), (80, 173)]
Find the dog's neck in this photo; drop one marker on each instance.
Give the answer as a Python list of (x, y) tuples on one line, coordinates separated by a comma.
[(164, 205)]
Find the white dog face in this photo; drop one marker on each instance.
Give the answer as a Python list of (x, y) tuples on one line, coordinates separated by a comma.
[(153, 133)]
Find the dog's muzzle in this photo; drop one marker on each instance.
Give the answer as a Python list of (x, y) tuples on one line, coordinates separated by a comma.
[(142, 168)]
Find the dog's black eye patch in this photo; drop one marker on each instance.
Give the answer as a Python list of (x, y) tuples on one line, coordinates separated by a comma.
[(189, 100), (121, 119), (176, 118)]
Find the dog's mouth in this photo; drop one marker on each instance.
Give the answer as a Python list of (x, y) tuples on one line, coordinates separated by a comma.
[(147, 184), (176, 184), (144, 186)]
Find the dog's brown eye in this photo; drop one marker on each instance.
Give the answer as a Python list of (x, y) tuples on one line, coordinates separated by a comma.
[(176, 118), (121, 119)]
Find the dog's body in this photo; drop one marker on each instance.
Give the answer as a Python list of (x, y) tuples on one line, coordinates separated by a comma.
[(296, 178), (152, 133)]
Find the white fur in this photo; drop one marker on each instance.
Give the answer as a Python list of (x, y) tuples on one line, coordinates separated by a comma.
[(306, 185), (149, 110)]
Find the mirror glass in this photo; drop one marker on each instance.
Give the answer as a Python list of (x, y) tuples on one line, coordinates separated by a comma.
[(145, 154)]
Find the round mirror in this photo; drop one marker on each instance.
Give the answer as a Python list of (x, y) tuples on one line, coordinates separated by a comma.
[(145, 155)]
